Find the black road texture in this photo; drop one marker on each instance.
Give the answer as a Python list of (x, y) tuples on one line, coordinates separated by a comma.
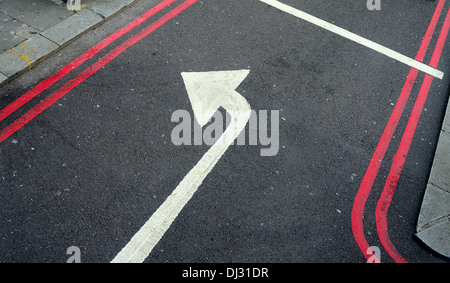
[(92, 168)]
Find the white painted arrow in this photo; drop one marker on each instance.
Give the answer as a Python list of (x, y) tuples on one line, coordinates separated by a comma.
[(207, 92)]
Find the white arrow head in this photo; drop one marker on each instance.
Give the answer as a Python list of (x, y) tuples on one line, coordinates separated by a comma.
[(210, 90), (207, 91)]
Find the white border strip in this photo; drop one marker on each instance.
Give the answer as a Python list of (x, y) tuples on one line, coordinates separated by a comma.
[(356, 38)]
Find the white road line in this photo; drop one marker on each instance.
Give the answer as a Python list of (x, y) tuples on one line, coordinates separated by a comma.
[(207, 92), (356, 38)]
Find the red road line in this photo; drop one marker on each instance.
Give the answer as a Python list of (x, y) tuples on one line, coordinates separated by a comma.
[(399, 159), (55, 96), (19, 102), (380, 151)]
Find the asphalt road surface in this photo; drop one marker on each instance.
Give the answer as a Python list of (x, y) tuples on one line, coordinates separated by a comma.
[(92, 167)]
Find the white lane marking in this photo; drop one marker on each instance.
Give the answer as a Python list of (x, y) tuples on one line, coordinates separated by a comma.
[(356, 38), (207, 92)]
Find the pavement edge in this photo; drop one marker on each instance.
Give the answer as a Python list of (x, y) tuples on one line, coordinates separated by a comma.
[(433, 224), (17, 60)]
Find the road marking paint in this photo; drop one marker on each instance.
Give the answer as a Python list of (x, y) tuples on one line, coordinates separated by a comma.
[(22, 100), (356, 38), (16, 51), (380, 151), (400, 156), (55, 96), (207, 92)]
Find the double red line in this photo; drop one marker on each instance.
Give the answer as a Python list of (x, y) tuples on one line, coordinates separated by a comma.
[(402, 151), (55, 96), (377, 158)]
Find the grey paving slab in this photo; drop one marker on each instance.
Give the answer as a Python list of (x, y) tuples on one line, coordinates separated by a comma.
[(89, 3), (39, 14), (446, 123), (439, 175), (108, 8), (26, 32), (436, 237), (433, 224), (4, 18), (8, 36), (435, 207), (3, 78), (25, 54), (72, 26)]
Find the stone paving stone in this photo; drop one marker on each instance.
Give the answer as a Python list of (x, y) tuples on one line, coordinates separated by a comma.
[(4, 18), (26, 32), (435, 206), (30, 30), (439, 175), (108, 8), (3, 78), (25, 54), (436, 237), (446, 124), (8, 37), (72, 26), (38, 14)]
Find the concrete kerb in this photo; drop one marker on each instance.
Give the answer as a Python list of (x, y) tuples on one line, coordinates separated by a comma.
[(433, 225), (3, 78), (19, 59)]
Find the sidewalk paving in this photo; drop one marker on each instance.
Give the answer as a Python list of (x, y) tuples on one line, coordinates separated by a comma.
[(433, 225), (33, 30), (30, 31)]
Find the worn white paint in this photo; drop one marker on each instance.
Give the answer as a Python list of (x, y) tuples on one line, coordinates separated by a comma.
[(356, 38), (207, 92)]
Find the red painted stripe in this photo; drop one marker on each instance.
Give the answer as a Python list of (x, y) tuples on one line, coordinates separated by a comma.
[(378, 156), (55, 96), (19, 102), (399, 159)]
